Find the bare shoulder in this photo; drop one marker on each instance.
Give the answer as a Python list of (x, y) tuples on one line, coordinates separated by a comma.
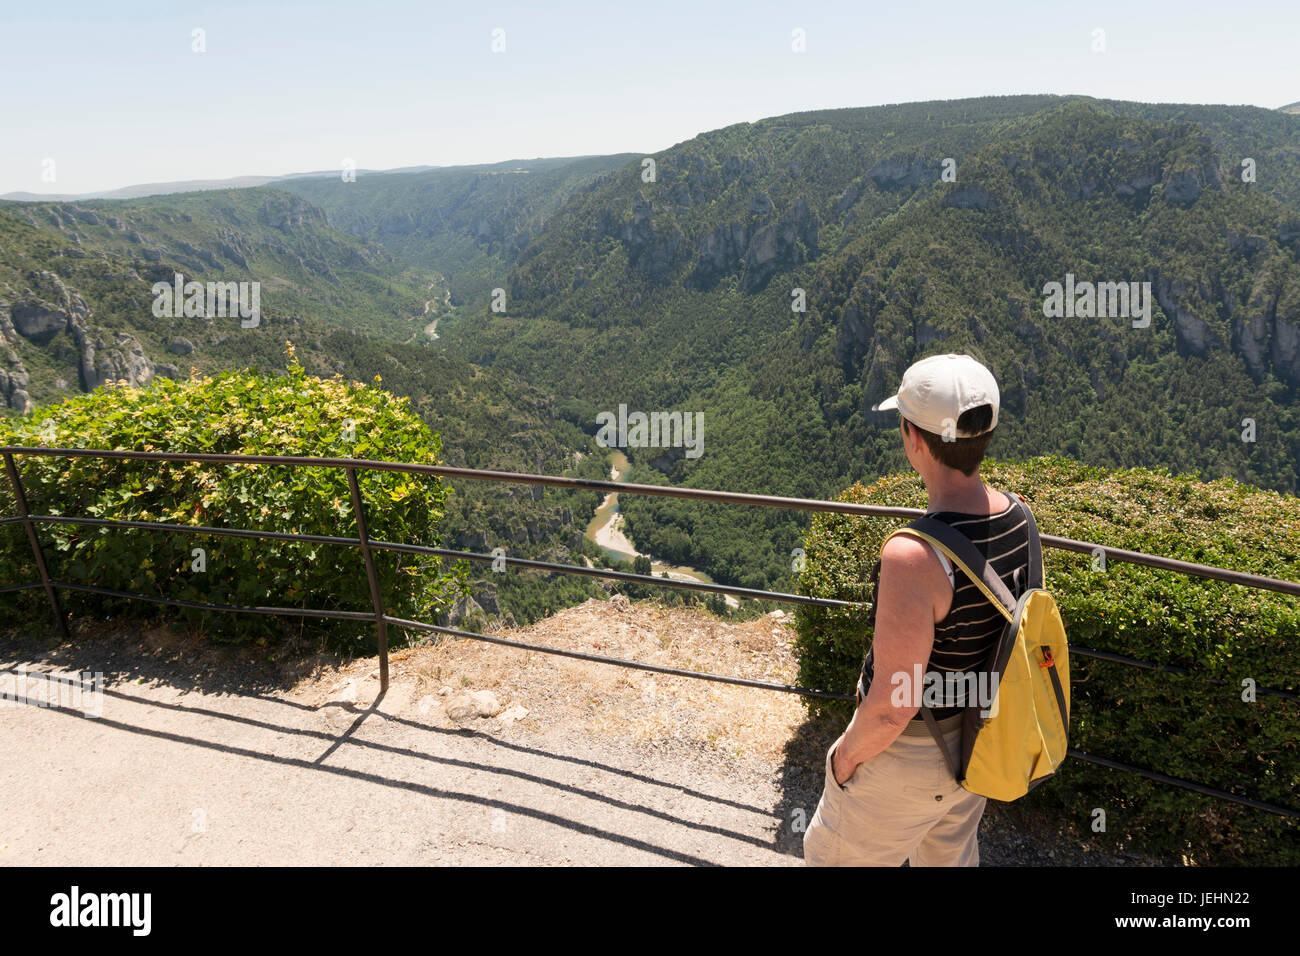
[(905, 552), (909, 568)]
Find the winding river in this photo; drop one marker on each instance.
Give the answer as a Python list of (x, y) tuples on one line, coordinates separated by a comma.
[(605, 529)]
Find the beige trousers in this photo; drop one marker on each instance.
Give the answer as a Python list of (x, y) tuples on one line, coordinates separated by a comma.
[(902, 804)]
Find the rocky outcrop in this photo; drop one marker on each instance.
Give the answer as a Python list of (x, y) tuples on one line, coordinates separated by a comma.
[(857, 323), (288, 213), (650, 251), (103, 361), (1246, 244), (1184, 183), (13, 383), (1266, 332), (719, 254), (1288, 234), (780, 245), (37, 320), (1137, 183), (47, 308), (1191, 332), (897, 173)]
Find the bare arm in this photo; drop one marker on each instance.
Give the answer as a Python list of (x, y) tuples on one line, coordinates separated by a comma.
[(912, 585)]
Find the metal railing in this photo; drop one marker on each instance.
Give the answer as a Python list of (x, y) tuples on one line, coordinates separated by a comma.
[(382, 620)]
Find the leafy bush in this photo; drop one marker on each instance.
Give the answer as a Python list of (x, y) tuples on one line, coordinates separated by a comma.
[(234, 413), (1195, 727)]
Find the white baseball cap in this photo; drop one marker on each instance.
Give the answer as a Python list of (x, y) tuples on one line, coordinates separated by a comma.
[(936, 390)]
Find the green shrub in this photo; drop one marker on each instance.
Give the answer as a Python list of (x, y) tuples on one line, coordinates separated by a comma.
[(235, 413), (1195, 727)]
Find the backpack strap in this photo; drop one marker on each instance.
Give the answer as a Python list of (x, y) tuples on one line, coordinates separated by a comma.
[(1035, 545), (963, 553), (933, 726)]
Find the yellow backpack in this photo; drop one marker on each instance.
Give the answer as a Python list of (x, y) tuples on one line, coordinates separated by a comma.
[(1022, 737)]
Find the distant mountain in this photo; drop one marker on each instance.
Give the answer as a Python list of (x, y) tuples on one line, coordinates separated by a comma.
[(76, 307), (187, 186), (1290, 108), (469, 223)]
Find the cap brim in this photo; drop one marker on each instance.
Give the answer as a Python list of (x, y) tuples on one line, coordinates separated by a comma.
[(887, 404)]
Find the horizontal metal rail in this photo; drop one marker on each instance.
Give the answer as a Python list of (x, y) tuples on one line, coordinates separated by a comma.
[(377, 545), (666, 491), (1170, 669)]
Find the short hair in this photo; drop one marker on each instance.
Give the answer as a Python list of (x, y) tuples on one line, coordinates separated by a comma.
[(963, 454)]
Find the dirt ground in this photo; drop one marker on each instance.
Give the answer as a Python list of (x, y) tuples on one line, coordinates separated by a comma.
[(196, 757)]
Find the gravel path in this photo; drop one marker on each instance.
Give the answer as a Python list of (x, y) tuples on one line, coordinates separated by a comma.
[(196, 762), (173, 776)]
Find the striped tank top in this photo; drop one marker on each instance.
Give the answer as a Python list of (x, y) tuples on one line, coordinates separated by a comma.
[(968, 633)]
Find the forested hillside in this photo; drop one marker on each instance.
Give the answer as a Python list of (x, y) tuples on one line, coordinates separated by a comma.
[(77, 307), (682, 294)]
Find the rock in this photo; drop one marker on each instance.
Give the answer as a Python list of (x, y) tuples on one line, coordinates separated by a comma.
[(101, 363), (719, 254), (511, 714), (180, 347), (1182, 187), (896, 173), (1248, 244), (481, 703), (1185, 184), (287, 213), (778, 245), (650, 251), (1190, 330), (38, 321), (486, 596), (1137, 183), (461, 707), (462, 610)]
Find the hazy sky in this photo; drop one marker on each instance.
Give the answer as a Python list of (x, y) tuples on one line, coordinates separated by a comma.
[(113, 92)]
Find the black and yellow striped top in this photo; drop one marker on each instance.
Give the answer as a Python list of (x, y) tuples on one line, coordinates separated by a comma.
[(969, 632)]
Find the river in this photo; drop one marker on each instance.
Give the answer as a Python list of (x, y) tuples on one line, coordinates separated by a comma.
[(605, 529)]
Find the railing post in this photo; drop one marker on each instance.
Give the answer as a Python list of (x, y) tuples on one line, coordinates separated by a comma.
[(20, 498), (381, 620)]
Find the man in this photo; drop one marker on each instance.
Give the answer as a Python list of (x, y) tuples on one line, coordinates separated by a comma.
[(888, 794)]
